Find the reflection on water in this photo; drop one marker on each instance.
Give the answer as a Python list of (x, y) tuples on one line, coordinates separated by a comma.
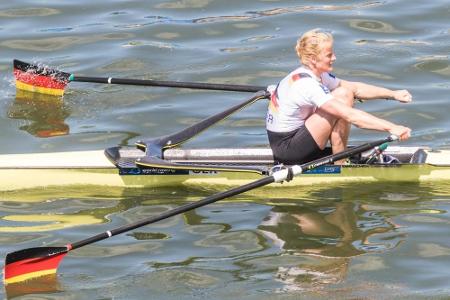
[(63, 210), (326, 237), (318, 239), (308, 242), (48, 284), (340, 230), (44, 114)]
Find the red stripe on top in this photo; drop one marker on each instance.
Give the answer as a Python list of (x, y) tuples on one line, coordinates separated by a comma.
[(39, 80), (296, 77), (31, 265), (274, 99), (274, 96)]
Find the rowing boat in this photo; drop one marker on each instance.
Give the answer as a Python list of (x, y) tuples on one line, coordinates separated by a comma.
[(161, 161), (132, 167)]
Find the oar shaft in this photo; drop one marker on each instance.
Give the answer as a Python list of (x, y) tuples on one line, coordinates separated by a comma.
[(155, 146), (283, 174), (350, 152), (33, 262), (176, 211), (276, 177), (176, 84)]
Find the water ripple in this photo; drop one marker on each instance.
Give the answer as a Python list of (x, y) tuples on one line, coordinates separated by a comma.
[(29, 12), (63, 42), (184, 4), (433, 250), (60, 29), (249, 15), (153, 44), (435, 64), (238, 49), (394, 42), (373, 26)]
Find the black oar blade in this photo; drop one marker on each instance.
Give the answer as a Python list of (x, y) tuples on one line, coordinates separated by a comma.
[(31, 263), (39, 79)]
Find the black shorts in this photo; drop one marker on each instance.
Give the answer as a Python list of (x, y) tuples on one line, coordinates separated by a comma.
[(295, 147)]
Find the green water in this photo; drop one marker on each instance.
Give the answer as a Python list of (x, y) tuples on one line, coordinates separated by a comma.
[(365, 241)]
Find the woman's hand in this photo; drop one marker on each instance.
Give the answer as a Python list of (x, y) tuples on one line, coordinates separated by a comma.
[(402, 96), (402, 132)]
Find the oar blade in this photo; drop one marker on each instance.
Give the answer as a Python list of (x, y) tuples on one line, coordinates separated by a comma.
[(31, 263), (39, 79)]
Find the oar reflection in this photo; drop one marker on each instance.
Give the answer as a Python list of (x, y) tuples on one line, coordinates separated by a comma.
[(44, 114)]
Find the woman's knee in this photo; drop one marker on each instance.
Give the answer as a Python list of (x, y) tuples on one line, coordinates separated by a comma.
[(344, 95)]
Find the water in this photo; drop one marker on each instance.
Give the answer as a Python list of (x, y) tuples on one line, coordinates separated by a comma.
[(359, 241)]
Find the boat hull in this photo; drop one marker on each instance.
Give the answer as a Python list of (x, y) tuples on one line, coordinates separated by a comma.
[(27, 171)]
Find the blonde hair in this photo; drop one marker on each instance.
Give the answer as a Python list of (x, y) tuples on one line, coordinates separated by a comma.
[(310, 44)]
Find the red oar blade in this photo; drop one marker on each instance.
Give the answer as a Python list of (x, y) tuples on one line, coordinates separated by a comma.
[(31, 263), (39, 79)]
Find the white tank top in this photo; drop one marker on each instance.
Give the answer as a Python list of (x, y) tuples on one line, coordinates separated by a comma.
[(296, 97)]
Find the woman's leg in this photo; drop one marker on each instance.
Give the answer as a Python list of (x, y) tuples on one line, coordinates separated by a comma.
[(325, 127), (341, 130)]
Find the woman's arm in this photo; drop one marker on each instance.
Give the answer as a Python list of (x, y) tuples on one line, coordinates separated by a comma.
[(366, 91), (364, 120)]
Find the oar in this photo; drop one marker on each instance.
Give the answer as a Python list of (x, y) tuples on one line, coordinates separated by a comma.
[(34, 262), (157, 145), (41, 79)]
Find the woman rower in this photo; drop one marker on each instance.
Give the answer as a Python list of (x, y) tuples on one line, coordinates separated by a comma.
[(310, 106)]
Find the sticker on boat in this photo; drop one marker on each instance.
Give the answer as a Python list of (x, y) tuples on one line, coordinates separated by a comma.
[(325, 170), (151, 171), (203, 172)]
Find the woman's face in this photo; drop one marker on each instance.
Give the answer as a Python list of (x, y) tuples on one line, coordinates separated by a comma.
[(325, 59)]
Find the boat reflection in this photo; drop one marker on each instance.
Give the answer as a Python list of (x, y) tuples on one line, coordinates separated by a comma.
[(60, 210), (44, 114), (306, 241)]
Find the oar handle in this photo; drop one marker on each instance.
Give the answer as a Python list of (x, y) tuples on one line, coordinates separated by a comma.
[(176, 84)]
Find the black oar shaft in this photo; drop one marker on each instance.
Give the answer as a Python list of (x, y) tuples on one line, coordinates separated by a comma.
[(31, 262), (277, 176), (347, 153), (176, 211), (176, 84), (180, 137)]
